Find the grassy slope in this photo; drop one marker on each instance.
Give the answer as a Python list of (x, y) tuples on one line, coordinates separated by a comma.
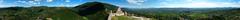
[(122, 18), (126, 18), (57, 13)]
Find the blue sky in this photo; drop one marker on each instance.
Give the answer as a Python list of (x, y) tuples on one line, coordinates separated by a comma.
[(128, 3)]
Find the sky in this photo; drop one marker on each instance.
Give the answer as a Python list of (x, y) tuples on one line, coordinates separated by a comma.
[(127, 3)]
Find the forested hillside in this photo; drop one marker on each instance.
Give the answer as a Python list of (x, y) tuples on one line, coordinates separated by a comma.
[(86, 11)]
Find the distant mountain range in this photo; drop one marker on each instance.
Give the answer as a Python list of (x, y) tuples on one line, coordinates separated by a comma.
[(183, 10), (187, 13)]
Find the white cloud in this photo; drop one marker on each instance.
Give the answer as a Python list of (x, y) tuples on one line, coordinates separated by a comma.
[(37, 0), (49, 0), (201, 5), (67, 0), (197, 4), (137, 2), (21, 1), (3, 5), (30, 3)]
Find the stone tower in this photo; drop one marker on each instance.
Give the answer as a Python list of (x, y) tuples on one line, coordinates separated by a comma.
[(119, 12)]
